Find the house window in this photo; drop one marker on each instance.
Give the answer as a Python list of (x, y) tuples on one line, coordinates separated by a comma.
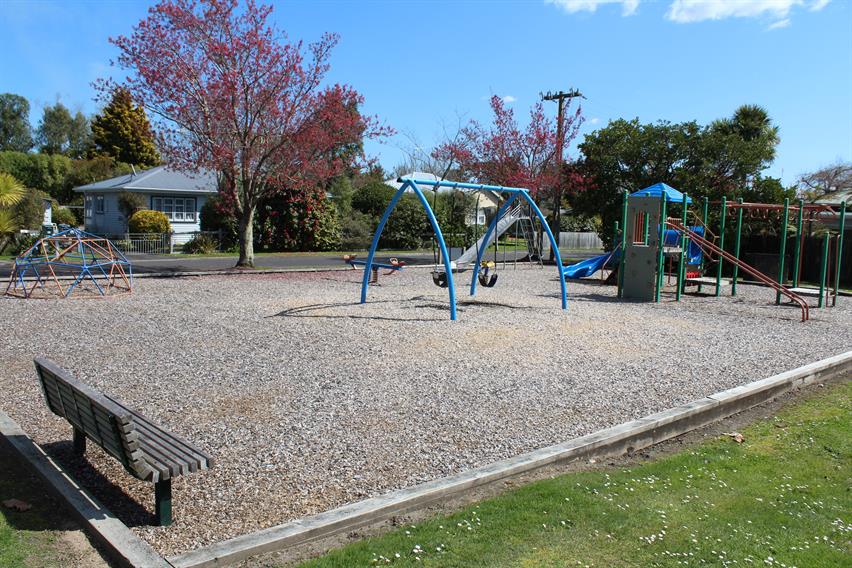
[(99, 204), (88, 208), (178, 209)]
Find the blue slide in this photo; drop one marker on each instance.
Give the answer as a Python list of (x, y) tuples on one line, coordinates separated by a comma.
[(586, 267)]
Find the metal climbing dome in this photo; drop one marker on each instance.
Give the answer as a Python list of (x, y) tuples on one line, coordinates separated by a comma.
[(83, 261)]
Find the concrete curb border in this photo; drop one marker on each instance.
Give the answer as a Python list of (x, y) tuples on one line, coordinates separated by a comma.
[(122, 545), (618, 440)]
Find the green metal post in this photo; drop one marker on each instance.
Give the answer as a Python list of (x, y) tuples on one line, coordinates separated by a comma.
[(681, 267), (839, 251), (623, 262), (645, 226), (783, 248), (823, 269), (798, 252), (721, 246), (737, 246), (79, 442), (163, 502), (660, 244)]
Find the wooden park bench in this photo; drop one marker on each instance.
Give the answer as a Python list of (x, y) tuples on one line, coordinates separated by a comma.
[(145, 450)]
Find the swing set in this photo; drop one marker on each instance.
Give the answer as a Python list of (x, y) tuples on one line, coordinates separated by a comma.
[(482, 273)]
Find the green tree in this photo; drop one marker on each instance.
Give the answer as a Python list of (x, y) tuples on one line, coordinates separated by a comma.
[(45, 172), (122, 131), (61, 133), (15, 130), (79, 137), (725, 158)]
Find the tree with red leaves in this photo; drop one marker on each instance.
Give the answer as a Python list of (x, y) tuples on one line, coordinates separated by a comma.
[(504, 154), (229, 93)]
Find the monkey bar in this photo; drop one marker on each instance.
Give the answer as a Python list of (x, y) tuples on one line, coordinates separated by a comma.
[(414, 186), (73, 255)]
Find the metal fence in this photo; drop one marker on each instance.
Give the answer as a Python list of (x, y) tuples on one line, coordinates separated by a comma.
[(159, 243)]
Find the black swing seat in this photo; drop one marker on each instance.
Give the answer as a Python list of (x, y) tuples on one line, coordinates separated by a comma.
[(440, 279), (487, 280)]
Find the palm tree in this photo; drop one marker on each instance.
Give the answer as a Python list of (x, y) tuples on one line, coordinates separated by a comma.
[(11, 193), (752, 122)]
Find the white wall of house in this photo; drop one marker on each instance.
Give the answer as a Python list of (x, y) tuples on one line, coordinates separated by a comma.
[(102, 215)]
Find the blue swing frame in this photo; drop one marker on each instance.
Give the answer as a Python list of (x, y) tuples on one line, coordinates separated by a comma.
[(413, 184)]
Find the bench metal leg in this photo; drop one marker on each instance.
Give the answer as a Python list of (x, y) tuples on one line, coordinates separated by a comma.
[(163, 502), (79, 442)]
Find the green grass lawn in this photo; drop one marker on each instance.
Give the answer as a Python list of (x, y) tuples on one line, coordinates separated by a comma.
[(781, 498), (43, 536)]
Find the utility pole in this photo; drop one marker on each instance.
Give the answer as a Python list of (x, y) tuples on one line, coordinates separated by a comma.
[(560, 97)]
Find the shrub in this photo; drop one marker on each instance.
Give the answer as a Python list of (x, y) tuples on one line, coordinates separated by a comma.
[(356, 231), (201, 244), (64, 216), (29, 211), (373, 198), (21, 242), (406, 226), (326, 234), (149, 222)]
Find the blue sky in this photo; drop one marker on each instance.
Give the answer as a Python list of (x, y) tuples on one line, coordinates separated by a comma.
[(421, 64)]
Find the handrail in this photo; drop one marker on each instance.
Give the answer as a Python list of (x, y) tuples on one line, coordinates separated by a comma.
[(702, 242)]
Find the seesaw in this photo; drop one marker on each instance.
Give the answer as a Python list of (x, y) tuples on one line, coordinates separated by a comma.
[(392, 266)]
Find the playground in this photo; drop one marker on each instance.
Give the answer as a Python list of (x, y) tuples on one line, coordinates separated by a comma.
[(309, 399)]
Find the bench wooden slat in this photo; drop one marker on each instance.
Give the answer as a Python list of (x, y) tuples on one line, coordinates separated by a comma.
[(176, 446), (161, 449)]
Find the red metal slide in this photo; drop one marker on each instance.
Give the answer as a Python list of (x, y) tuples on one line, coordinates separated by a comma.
[(710, 249)]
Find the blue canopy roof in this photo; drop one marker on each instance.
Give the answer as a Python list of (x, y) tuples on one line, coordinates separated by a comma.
[(655, 190)]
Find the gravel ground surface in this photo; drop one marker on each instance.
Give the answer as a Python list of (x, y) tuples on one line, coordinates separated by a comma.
[(308, 400)]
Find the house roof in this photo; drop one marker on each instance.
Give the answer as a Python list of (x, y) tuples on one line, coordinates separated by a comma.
[(160, 179), (836, 197), (659, 188)]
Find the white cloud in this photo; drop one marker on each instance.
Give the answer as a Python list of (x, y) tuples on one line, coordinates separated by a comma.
[(628, 7), (594, 120), (509, 99), (688, 11), (785, 23)]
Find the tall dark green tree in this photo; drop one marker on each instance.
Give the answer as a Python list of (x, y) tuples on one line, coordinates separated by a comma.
[(15, 130), (122, 131), (725, 158), (61, 133)]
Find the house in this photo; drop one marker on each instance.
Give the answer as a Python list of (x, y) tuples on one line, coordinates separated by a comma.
[(488, 201), (178, 194), (834, 200)]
